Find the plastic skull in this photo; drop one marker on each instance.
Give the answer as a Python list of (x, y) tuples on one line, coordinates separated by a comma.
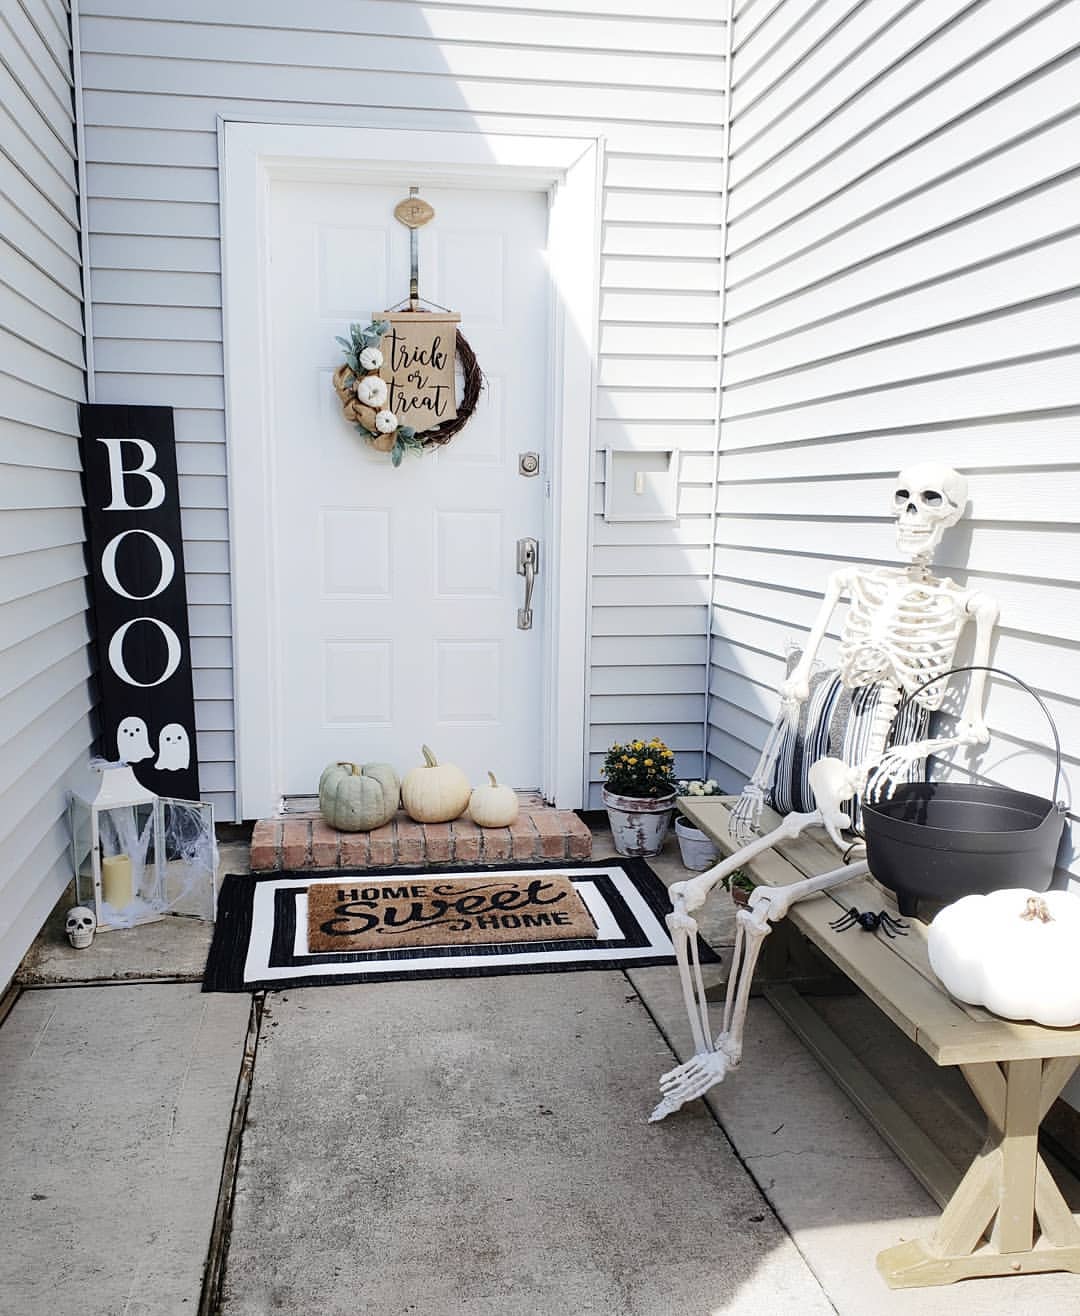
[(927, 499), (80, 926)]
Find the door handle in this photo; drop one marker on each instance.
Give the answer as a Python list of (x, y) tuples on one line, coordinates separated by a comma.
[(528, 564)]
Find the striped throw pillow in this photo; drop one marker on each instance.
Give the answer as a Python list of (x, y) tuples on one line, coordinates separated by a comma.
[(835, 722)]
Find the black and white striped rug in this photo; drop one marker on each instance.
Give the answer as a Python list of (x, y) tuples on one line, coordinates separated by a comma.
[(260, 939)]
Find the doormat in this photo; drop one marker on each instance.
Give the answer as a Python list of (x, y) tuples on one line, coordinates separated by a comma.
[(261, 934), (455, 911)]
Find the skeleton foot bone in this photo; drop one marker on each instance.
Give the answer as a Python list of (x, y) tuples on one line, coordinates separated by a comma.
[(686, 1082)]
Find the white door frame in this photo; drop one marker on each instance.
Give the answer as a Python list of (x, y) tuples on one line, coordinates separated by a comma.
[(251, 156)]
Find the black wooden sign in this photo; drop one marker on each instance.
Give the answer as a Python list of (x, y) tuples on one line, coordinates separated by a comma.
[(136, 560)]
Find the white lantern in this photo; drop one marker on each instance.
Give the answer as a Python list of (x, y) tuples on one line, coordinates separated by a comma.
[(138, 856)]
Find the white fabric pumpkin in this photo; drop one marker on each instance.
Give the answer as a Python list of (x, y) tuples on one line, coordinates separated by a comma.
[(493, 805), (1014, 952), (386, 422), (371, 390), (370, 359)]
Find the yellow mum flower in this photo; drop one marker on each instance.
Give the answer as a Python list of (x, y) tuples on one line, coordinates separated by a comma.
[(648, 763), (631, 761)]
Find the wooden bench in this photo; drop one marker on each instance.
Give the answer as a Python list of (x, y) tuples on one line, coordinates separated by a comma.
[(1016, 1071)]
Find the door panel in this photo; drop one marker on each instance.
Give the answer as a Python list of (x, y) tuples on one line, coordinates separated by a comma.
[(396, 591)]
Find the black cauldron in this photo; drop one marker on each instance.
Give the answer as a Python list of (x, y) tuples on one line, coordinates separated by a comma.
[(943, 840)]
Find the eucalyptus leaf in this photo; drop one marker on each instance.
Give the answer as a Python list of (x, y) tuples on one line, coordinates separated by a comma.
[(352, 362), (406, 432), (396, 453), (380, 327), (344, 342)]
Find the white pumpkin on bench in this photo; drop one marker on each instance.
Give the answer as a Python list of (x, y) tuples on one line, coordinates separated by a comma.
[(1013, 952)]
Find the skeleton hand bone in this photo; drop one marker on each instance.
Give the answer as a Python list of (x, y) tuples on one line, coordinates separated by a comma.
[(892, 768), (746, 814)]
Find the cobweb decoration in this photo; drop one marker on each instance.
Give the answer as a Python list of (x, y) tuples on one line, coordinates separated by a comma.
[(185, 883)]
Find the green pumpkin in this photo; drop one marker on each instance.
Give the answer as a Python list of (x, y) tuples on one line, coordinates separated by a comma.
[(358, 798)]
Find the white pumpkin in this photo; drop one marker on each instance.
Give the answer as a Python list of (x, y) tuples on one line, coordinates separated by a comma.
[(435, 792), (1014, 952), (493, 805)]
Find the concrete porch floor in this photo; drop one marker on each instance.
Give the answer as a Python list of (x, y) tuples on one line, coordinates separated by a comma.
[(499, 1162)]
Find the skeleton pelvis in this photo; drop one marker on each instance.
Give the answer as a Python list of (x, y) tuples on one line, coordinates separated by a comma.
[(832, 781)]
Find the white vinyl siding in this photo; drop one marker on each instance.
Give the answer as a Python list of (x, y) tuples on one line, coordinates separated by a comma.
[(903, 284), (651, 83), (44, 694)]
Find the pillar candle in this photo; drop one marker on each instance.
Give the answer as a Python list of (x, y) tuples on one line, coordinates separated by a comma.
[(117, 885)]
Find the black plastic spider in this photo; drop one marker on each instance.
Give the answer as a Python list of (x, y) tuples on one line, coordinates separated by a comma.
[(870, 922)]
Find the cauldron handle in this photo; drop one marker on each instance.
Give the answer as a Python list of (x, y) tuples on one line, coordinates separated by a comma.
[(997, 671)]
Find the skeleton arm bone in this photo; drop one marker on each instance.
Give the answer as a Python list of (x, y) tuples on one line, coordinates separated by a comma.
[(972, 729), (793, 693), (797, 686)]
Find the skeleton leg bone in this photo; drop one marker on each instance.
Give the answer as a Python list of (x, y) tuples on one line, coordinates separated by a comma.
[(711, 1063)]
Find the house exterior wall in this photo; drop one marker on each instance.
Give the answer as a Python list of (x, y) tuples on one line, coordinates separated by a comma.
[(901, 285), (652, 86), (44, 695)]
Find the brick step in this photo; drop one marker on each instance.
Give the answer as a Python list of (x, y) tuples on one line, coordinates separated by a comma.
[(305, 842)]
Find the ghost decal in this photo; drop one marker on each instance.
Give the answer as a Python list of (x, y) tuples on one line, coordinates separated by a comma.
[(132, 741), (174, 748)]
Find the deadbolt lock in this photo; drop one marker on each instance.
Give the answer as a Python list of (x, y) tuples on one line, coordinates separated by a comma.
[(528, 463)]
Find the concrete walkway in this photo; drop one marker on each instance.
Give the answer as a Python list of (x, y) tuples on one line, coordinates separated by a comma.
[(114, 1111), (477, 1145), (432, 1148)]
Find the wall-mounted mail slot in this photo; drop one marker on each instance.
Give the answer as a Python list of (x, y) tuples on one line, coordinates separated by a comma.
[(641, 484)]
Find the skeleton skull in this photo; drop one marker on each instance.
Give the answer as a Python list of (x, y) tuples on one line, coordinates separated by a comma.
[(927, 499), (80, 926)]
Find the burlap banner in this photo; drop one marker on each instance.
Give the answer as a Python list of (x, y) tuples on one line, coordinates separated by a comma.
[(418, 365)]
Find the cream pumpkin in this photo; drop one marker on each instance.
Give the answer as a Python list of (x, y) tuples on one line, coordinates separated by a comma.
[(435, 792), (493, 805), (1014, 952)]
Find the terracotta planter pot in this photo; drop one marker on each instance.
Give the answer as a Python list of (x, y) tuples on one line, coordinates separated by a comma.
[(639, 826)]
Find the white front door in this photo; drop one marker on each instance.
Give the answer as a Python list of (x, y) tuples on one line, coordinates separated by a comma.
[(396, 592)]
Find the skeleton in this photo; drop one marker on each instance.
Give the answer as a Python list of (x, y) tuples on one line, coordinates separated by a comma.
[(901, 632), (80, 926)]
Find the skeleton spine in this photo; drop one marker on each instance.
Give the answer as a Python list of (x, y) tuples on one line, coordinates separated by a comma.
[(884, 716)]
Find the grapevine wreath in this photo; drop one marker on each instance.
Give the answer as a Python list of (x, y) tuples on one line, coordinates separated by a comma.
[(364, 394)]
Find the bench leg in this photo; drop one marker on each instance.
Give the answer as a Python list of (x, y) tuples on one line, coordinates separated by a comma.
[(1006, 1193)]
